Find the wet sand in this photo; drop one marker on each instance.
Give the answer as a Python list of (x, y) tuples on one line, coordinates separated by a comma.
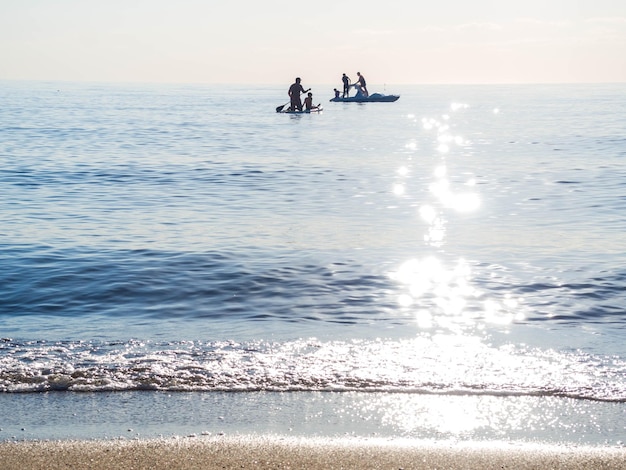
[(286, 453)]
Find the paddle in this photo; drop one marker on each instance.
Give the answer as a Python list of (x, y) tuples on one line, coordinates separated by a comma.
[(280, 108)]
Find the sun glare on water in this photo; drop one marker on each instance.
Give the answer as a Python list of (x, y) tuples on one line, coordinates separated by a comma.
[(442, 293)]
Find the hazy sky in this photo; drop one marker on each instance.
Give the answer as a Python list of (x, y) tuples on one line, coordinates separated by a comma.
[(272, 41)]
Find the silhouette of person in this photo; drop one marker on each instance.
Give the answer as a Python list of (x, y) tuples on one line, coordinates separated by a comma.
[(308, 102), (361, 81), (295, 90), (346, 85)]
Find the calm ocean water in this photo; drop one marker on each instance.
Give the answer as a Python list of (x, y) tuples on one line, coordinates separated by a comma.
[(465, 240)]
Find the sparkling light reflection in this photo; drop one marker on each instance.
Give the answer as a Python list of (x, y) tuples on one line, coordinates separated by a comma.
[(460, 201), (530, 419), (428, 277), (458, 106), (398, 189), (440, 295), (444, 296)]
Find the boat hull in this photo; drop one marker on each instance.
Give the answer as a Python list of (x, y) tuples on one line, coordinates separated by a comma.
[(375, 98)]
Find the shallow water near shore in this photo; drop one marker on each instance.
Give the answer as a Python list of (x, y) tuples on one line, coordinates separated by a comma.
[(395, 416), (370, 269)]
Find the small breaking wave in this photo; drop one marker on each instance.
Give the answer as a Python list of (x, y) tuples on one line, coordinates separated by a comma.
[(407, 366)]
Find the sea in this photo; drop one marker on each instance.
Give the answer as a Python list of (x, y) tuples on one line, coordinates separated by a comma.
[(181, 260)]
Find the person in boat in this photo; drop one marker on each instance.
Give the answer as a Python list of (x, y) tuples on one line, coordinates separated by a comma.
[(295, 90), (308, 103), (346, 85), (337, 93), (361, 81)]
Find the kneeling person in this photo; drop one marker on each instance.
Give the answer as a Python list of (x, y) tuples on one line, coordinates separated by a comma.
[(308, 103)]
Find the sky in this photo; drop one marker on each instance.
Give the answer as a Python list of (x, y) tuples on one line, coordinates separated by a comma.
[(273, 41)]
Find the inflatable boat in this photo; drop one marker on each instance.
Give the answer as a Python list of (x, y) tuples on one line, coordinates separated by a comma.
[(373, 98)]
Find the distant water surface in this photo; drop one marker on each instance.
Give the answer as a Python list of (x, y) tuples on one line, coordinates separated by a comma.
[(464, 239)]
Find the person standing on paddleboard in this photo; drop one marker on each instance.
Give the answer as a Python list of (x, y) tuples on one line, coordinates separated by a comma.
[(294, 93)]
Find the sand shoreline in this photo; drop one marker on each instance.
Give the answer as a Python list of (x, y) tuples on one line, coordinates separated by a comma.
[(302, 453)]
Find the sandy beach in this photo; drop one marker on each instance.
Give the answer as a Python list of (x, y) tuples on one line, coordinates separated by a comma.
[(286, 453)]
